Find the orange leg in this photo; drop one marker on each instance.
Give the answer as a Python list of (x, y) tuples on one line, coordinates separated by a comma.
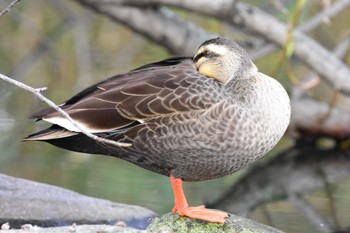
[(199, 212)]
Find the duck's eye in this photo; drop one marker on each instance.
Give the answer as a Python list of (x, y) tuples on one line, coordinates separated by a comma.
[(206, 53)]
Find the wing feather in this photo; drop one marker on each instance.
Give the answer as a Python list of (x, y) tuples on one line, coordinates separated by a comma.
[(166, 87)]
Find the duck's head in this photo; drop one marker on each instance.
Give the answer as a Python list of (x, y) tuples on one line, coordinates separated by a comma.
[(223, 60)]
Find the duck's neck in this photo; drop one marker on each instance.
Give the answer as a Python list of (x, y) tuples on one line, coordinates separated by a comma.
[(249, 70)]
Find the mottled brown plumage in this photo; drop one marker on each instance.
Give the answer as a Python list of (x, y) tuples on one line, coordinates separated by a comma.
[(193, 118)]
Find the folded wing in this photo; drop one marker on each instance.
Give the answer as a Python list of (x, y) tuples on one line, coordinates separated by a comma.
[(166, 87)]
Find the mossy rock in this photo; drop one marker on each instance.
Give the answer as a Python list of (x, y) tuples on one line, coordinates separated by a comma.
[(169, 223)]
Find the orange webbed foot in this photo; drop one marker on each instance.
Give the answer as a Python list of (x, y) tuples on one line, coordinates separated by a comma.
[(199, 212), (202, 213)]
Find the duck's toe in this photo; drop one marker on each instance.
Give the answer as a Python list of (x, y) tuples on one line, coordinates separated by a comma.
[(202, 213)]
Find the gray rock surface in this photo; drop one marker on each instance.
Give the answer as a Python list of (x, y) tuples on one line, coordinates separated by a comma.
[(23, 201), (169, 223), (74, 229)]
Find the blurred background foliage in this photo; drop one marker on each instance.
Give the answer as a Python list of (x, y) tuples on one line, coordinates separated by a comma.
[(62, 46)]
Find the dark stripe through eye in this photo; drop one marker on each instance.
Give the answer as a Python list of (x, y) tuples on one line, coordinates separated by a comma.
[(205, 53), (196, 58)]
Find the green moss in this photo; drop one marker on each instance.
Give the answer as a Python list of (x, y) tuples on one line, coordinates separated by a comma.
[(169, 223)]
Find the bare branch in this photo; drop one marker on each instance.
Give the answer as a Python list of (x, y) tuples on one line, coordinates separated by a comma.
[(158, 24), (309, 25), (219, 9), (9, 7), (317, 118), (36, 92), (331, 69), (223, 9)]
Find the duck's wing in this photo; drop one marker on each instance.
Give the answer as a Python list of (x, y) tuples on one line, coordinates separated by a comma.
[(166, 87)]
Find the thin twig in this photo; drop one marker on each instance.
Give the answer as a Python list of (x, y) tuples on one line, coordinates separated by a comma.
[(36, 91), (9, 7)]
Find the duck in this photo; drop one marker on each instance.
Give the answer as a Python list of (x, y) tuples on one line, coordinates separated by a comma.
[(188, 118)]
